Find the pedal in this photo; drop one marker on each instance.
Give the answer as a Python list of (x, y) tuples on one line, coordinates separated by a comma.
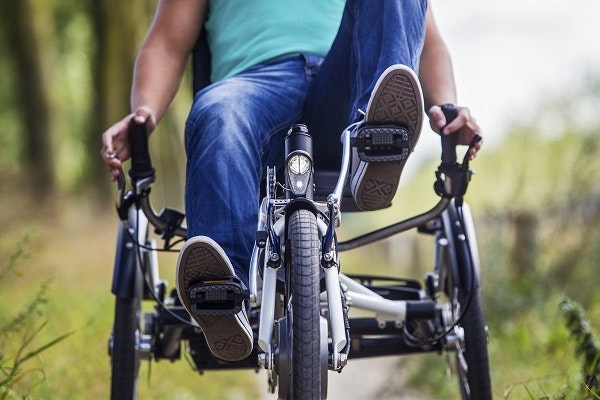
[(217, 296), (382, 143)]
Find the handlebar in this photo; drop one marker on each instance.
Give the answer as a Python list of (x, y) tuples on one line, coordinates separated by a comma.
[(452, 177), (450, 141), (141, 164), (142, 174), (168, 222)]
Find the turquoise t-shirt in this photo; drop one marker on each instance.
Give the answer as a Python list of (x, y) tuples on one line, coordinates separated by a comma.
[(243, 33)]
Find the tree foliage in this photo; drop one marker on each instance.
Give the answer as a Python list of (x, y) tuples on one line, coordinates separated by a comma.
[(68, 69), (29, 27)]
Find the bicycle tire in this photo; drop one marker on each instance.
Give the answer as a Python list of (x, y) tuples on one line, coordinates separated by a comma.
[(305, 288), (125, 361), (472, 359), (475, 352)]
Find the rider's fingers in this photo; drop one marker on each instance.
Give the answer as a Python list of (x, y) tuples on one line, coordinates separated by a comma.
[(464, 124), (107, 152), (475, 149), (437, 120), (462, 117), (144, 115), (113, 148), (141, 115), (112, 162), (114, 139)]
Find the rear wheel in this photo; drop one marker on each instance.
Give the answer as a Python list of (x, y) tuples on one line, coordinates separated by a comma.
[(462, 280), (125, 362), (127, 334), (472, 359), (306, 326)]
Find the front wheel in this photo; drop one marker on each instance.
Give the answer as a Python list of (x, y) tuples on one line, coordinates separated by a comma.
[(305, 250)]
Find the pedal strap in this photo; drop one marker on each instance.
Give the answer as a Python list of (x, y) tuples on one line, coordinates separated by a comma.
[(223, 295), (382, 143)]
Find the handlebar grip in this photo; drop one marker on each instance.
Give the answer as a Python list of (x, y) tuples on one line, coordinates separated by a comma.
[(450, 141), (141, 164)]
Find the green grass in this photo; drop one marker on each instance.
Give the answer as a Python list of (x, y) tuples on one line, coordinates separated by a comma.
[(20, 330), (531, 351), (72, 247)]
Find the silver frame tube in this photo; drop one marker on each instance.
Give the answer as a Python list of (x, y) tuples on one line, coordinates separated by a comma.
[(339, 187), (364, 298), (336, 314), (267, 310)]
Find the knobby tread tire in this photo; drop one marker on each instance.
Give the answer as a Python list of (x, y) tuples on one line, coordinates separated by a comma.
[(304, 257)]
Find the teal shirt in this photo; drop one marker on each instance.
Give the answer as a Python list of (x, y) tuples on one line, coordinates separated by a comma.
[(243, 33)]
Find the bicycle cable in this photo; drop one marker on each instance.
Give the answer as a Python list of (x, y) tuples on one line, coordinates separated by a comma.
[(148, 285), (429, 341), (146, 247)]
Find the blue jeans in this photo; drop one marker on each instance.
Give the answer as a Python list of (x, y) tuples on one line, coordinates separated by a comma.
[(236, 127)]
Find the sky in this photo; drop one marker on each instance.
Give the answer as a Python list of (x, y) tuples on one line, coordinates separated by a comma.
[(509, 55)]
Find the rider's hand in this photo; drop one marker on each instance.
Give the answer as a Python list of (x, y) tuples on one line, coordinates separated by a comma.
[(115, 145), (464, 124)]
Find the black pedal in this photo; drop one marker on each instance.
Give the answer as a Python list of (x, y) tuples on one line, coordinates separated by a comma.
[(217, 296), (382, 143)]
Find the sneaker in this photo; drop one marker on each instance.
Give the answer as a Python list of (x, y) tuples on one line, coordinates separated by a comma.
[(396, 100), (229, 337)]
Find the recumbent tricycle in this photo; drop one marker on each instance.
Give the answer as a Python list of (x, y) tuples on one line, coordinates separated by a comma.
[(299, 298)]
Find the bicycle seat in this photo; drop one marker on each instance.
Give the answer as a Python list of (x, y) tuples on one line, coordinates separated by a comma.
[(325, 181)]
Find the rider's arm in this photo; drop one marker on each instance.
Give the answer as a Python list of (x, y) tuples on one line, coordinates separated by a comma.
[(437, 80), (435, 69), (161, 60), (159, 66)]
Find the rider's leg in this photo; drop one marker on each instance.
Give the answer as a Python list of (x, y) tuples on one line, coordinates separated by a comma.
[(234, 129), (369, 41)]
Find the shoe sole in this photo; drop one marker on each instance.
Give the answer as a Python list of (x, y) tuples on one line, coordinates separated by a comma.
[(396, 100), (229, 337)]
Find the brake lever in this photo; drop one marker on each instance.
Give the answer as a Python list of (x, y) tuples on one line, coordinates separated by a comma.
[(121, 182), (124, 198), (465, 164)]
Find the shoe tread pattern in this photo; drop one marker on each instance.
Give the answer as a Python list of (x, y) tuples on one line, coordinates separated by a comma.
[(396, 100), (226, 335)]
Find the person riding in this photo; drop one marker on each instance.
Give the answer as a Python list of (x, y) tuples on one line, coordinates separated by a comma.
[(328, 64)]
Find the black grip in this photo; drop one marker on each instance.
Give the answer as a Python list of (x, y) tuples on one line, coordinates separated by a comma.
[(449, 142), (141, 165)]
